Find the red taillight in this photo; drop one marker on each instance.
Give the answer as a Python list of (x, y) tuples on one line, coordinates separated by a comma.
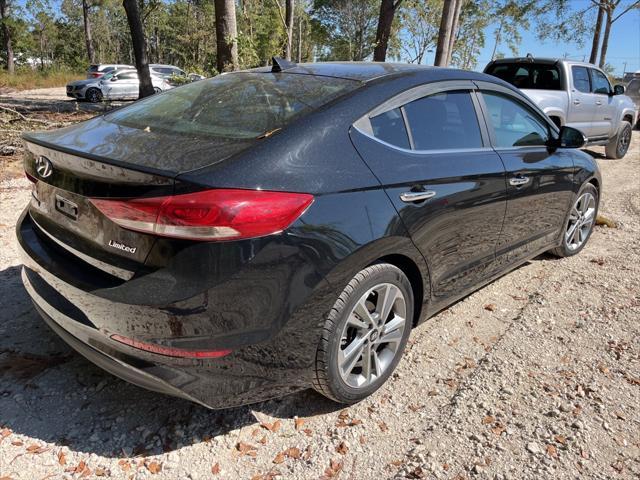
[(169, 351), (209, 214)]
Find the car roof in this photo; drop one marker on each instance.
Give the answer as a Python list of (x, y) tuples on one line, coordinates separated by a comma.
[(365, 71), (541, 60)]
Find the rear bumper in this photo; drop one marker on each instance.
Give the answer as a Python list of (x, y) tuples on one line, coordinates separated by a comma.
[(256, 370)]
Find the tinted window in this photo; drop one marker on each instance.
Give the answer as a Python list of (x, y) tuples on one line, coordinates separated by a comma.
[(389, 127), (514, 124), (634, 86), (128, 76), (444, 121), (235, 105), (581, 79), (600, 82), (536, 76)]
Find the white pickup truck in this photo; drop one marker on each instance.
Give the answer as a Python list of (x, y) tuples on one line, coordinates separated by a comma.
[(576, 94)]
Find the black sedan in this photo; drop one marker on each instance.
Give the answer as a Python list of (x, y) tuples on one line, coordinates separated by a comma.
[(266, 231)]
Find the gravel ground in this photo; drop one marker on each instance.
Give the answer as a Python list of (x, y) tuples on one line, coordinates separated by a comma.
[(54, 93), (535, 376)]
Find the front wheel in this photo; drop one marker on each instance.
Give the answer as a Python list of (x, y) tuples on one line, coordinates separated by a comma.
[(365, 334), (94, 95), (618, 146), (580, 222), (157, 90)]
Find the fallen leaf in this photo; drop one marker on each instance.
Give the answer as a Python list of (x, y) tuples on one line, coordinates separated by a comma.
[(383, 426), (100, 472), (62, 459), (552, 451), (4, 433), (37, 449), (333, 469), (584, 454), (154, 467), (272, 427), (293, 452), (263, 440), (362, 440), (308, 432), (298, 422), (342, 448), (488, 420), (491, 307), (246, 449), (599, 261), (561, 439), (498, 429), (17, 443), (215, 469), (124, 465), (279, 458), (414, 408)]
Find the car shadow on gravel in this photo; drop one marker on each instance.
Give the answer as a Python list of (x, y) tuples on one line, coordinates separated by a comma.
[(49, 392)]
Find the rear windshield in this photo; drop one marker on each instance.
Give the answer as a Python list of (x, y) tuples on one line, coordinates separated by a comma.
[(535, 76), (93, 68), (236, 105)]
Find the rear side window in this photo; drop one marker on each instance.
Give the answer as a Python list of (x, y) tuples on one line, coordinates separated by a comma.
[(514, 124), (444, 121), (581, 79), (600, 82), (534, 76), (389, 127), (634, 86), (239, 105), (128, 76)]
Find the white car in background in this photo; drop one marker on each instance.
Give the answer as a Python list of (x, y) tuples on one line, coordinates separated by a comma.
[(124, 85)]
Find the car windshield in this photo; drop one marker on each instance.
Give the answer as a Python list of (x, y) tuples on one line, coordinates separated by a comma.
[(236, 105), (536, 76)]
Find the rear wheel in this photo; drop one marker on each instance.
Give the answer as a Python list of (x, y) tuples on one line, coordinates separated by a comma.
[(157, 90), (618, 146), (580, 222), (365, 334), (94, 95)]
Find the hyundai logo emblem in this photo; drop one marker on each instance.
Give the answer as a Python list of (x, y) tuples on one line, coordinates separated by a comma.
[(44, 167)]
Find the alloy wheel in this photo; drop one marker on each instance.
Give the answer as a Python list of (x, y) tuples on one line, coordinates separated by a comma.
[(372, 335), (581, 220)]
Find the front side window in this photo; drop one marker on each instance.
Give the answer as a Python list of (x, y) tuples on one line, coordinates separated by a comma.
[(445, 120), (389, 127), (581, 80), (127, 76), (514, 124), (600, 82)]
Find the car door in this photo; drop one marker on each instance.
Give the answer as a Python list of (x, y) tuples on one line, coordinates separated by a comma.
[(539, 178), (432, 156), (605, 107), (582, 107)]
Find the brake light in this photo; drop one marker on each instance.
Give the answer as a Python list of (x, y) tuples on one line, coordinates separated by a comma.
[(169, 351), (209, 214)]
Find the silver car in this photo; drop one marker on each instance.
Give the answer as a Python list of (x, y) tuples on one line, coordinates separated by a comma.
[(633, 92), (89, 89), (124, 85)]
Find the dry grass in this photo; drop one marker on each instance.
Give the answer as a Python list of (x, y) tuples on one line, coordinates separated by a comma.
[(29, 79)]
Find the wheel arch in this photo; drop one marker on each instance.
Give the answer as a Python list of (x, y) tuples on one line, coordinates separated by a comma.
[(412, 271)]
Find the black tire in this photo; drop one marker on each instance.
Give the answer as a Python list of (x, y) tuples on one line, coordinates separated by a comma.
[(157, 90), (564, 250), (327, 379), (93, 95), (619, 145)]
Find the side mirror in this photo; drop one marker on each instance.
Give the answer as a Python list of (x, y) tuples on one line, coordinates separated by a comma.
[(113, 79), (571, 138), (619, 89)]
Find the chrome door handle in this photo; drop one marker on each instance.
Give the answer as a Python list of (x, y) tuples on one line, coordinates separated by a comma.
[(417, 196), (519, 181), (598, 102), (576, 102)]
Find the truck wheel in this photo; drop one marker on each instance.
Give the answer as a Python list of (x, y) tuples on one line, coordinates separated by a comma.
[(618, 146)]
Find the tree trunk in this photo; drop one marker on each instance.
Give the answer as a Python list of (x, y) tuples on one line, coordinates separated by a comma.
[(454, 29), (300, 40), (385, 21), (87, 32), (446, 22), (138, 43), (605, 38), (596, 35), (288, 15), (6, 34), (226, 36)]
